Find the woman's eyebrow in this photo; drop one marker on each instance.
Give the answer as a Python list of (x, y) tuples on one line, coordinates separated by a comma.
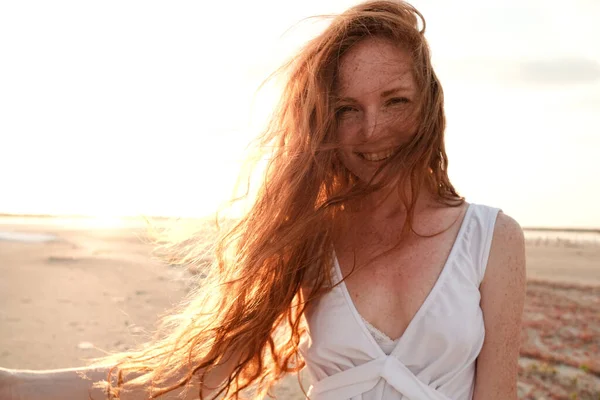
[(395, 90), (385, 93), (337, 100)]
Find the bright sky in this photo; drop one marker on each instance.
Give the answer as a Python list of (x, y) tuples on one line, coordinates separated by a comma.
[(123, 107)]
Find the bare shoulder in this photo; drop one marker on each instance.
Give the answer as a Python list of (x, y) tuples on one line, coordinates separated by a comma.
[(508, 231), (507, 253)]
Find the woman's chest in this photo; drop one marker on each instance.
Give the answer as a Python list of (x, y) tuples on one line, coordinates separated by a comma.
[(388, 285), (447, 324)]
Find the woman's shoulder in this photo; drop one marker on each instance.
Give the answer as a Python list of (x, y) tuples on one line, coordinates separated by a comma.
[(507, 227), (507, 251)]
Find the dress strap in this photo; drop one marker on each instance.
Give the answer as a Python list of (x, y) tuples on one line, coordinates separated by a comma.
[(481, 234)]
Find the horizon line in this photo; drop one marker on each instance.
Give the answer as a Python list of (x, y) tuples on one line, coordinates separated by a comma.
[(163, 217)]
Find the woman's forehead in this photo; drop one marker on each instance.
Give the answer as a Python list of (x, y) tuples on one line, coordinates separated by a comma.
[(373, 65)]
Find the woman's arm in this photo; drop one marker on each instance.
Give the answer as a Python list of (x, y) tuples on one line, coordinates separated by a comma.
[(502, 300), (69, 383), (77, 383)]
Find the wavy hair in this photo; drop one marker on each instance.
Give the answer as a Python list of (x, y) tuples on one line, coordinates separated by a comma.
[(251, 305)]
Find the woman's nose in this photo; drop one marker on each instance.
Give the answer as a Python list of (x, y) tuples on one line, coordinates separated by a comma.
[(372, 124)]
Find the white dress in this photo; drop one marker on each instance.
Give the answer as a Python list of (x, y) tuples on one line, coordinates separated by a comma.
[(435, 357)]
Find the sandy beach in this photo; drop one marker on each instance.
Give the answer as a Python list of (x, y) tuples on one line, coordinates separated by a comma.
[(71, 289)]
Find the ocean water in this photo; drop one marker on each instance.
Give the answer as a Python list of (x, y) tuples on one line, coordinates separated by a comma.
[(567, 237)]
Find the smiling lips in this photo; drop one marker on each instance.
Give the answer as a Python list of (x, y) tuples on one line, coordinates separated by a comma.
[(378, 156)]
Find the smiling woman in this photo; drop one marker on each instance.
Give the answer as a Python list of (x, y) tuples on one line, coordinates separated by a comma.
[(358, 258), (377, 104)]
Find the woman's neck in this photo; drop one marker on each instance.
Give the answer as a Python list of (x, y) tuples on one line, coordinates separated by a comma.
[(387, 204)]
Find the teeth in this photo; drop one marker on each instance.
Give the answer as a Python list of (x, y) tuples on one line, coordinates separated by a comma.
[(377, 156)]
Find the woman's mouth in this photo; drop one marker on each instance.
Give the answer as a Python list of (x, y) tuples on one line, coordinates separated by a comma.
[(378, 156)]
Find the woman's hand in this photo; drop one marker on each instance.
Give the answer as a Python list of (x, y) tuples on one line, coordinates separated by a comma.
[(68, 383), (77, 384)]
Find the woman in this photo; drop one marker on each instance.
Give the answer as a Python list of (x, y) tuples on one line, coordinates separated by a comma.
[(358, 256)]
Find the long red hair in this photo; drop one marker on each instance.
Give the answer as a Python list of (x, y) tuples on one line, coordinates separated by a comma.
[(250, 304)]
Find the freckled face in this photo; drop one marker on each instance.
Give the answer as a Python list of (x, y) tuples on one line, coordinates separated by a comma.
[(375, 104)]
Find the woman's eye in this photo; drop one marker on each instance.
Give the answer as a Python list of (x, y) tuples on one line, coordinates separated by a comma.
[(344, 110), (397, 100)]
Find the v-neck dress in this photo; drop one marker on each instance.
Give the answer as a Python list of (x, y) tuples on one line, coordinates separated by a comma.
[(435, 357)]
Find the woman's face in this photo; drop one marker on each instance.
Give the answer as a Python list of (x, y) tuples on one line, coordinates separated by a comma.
[(375, 104)]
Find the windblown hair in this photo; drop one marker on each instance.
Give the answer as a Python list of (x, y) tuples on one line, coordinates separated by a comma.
[(249, 310)]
